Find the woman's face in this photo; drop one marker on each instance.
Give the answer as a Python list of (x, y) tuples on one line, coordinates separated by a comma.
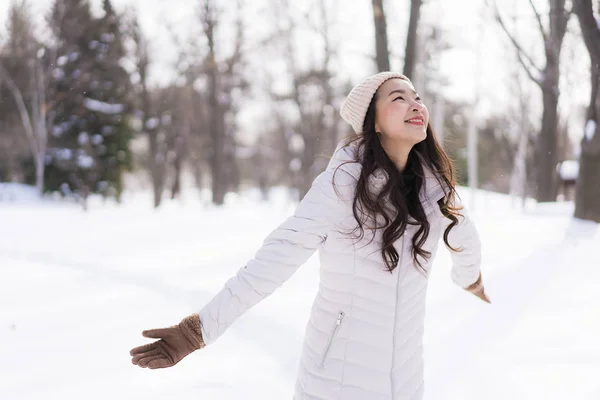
[(400, 115)]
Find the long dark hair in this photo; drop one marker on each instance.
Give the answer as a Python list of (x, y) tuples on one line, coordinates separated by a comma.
[(399, 198)]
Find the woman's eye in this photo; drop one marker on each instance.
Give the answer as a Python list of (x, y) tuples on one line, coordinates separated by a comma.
[(418, 99), (399, 97)]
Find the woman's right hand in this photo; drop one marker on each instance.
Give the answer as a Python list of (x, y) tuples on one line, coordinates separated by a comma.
[(173, 345), (478, 290)]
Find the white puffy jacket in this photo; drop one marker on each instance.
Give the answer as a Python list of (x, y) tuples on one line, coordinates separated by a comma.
[(363, 340)]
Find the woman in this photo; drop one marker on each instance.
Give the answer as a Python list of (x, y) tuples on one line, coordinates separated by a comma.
[(376, 215)]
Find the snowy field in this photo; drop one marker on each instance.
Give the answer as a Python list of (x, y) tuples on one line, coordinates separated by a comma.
[(77, 289)]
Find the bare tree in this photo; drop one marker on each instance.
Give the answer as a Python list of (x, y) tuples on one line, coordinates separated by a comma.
[(37, 116), (521, 160), (381, 42), (428, 78), (234, 86), (182, 135), (184, 106), (216, 121), (547, 79), (225, 80), (587, 203), (150, 121), (410, 54), (312, 95)]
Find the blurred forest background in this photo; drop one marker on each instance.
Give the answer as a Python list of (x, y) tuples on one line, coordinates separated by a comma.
[(250, 94)]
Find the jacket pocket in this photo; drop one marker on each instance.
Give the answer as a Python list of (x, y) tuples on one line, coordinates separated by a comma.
[(336, 327)]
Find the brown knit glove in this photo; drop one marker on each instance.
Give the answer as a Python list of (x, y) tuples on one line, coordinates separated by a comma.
[(478, 290), (175, 343)]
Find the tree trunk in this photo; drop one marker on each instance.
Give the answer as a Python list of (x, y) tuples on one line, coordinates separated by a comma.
[(177, 166), (547, 79), (410, 54), (155, 168), (547, 154), (176, 187), (381, 44), (547, 146), (587, 197), (216, 116), (217, 136), (587, 192), (39, 173), (156, 173)]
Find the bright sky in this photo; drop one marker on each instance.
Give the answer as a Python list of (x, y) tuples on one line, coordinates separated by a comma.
[(467, 29)]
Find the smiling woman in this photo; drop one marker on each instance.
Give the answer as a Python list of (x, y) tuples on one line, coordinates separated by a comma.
[(376, 216)]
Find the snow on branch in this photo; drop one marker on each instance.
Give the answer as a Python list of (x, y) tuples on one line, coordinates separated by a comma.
[(102, 107), (590, 129)]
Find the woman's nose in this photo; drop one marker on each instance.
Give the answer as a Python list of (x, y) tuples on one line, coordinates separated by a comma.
[(416, 106)]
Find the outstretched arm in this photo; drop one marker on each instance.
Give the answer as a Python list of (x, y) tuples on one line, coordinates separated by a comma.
[(282, 252)]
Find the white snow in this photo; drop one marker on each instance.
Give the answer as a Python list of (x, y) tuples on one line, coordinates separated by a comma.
[(61, 153), (83, 138), (569, 170), (590, 129), (295, 164), (78, 288), (58, 73), (97, 139), (103, 107), (62, 60), (296, 143), (15, 192), (85, 161), (152, 123)]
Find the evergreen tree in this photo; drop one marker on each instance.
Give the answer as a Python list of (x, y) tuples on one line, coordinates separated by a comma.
[(111, 87), (90, 139)]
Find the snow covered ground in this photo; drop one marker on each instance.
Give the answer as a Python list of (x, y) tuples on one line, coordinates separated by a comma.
[(77, 289)]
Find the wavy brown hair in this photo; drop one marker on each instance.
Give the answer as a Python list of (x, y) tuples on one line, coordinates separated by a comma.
[(399, 197)]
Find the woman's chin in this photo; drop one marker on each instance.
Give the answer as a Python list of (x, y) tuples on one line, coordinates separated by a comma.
[(411, 137), (417, 133), (419, 137)]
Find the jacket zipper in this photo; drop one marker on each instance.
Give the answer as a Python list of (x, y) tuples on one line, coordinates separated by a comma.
[(338, 322), (396, 315)]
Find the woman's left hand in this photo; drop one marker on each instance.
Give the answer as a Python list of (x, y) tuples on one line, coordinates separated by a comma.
[(478, 290)]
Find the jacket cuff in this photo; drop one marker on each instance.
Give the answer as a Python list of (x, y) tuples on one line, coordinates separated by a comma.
[(190, 326), (465, 277)]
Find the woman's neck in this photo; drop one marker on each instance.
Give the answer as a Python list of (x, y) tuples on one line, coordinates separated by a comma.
[(398, 153)]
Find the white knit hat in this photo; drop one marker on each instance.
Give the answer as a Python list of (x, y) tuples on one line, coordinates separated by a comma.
[(354, 108)]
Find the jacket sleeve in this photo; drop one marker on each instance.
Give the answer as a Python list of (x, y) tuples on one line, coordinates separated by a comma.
[(464, 237), (282, 252)]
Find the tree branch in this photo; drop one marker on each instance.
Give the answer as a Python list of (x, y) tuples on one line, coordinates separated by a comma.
[(539, 20), (522, 55)]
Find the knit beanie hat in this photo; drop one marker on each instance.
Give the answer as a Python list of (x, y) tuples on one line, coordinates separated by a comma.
[(354, 108)]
